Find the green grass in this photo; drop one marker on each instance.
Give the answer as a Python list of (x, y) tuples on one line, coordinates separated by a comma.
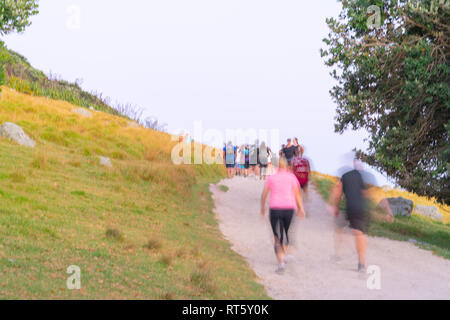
[(430, 235), (144, 229), (224, 188), (63, 215)]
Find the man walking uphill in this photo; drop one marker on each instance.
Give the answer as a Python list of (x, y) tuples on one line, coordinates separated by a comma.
[(354, 188)]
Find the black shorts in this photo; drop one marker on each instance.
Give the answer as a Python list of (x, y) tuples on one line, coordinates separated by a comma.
[(280, 221), (358, 221), (230, 166), (263, 165)]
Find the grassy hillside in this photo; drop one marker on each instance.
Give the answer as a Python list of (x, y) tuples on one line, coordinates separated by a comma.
[(429, 234), (143, 229), (17, 73)]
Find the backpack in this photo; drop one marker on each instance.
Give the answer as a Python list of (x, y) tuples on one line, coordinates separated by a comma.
[(230, 154), (253, 155), (301, 170), (263, 155)]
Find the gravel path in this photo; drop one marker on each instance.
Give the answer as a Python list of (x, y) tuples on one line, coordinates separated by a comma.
[(407, 272)]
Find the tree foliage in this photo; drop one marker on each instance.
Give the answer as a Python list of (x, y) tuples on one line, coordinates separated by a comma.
[(393, 80), (15, 15)]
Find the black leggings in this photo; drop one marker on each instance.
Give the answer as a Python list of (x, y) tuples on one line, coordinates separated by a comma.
[(281, 220)]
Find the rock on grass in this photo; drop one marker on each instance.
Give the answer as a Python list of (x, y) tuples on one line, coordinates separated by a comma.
[(16, 134)]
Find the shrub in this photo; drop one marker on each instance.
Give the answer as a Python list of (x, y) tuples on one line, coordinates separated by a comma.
[(114, 234), (153, 244)]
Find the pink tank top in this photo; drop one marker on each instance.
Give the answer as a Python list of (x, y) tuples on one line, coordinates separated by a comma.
[(282, 186)]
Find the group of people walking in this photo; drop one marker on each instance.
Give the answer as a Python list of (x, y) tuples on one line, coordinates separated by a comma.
[(287, 187), (248, 160)]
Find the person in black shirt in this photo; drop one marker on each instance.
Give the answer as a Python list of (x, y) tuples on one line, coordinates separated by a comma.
[(289, 151), (281, 153), (353, 187)]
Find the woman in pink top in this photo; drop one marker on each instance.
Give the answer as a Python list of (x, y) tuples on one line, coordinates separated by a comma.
[(285, 197)]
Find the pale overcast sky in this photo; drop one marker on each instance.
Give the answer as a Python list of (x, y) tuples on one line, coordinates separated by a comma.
[(232, 64)]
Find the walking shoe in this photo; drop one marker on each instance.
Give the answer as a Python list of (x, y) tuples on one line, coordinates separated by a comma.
[(289, 258), (361, 268), (281, 268)]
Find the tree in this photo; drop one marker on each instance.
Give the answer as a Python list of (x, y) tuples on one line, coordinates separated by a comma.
[(14, 16), (391, 62)]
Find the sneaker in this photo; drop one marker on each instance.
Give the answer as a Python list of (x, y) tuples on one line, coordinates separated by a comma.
[(281, 268), (289, 258), (361, 268)]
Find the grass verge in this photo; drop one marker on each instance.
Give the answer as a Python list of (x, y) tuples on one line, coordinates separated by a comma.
[(425, 233)]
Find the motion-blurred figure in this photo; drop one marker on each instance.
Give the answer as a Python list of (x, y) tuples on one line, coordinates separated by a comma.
[(263, 160), (289, 151), (230, 155), (354, 185), (302, 169), (285, 197)]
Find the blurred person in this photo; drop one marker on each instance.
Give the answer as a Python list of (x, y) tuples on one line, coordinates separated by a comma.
[(230, 155), (263, 160), (297, 144), (281, 153), (285, 197), (247, 160), (302, 169), (241, 160), (289, 151), (269, 162), (253, 161), (354, 188)]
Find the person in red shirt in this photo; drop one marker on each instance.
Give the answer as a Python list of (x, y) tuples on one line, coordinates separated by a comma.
[(301, 169)]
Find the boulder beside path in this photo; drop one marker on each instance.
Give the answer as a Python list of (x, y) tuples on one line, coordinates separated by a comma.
[(399, 206), (15, 133)]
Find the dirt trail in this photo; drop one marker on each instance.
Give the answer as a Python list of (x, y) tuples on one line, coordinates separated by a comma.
[(407, 272)]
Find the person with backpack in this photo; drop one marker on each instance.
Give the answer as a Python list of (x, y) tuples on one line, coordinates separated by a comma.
[(253, 159), (230, 156), (241, 160), (301, 169), (263, 160)]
